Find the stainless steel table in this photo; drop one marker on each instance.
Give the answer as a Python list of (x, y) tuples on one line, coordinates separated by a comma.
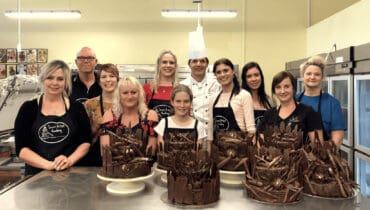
[(79, 188)]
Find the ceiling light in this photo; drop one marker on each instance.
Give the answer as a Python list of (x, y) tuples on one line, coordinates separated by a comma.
[(43, 14), (176, 13)]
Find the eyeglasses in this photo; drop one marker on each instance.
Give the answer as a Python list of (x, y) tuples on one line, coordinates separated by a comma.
[(85, 58)]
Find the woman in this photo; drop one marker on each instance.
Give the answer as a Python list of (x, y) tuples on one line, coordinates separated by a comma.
[(130, 113), (180, 126), (51, 132), (289, 111), (232, 109), (95, 107), (158, 92), (312, 73), (254, 82)]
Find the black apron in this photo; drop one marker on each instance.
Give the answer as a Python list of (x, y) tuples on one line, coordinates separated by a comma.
[(325, 134), (162, 107), (223, 117), (258, 117), (191, 133), (53, 136)]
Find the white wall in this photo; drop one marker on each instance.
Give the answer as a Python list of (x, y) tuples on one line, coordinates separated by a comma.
[(349, 27)]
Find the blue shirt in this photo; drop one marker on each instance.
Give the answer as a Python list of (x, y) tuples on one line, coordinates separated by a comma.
[(331, 111)]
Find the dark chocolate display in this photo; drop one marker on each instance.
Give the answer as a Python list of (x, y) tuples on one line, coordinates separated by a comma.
[(192, 178), (176, 142), (325, 174), (232, 148), (124, 157), (273, 175)]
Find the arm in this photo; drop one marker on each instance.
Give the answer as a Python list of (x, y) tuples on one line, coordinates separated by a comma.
[(248, 112), (104, 138), (337, 137), (23, 137), (159, 129), (210, 119), (152, 139)]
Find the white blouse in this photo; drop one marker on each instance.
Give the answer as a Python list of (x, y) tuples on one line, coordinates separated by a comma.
[(242, 105)]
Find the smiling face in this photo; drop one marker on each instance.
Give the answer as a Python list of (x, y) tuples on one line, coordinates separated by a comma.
[(54, 83), (181, 103), (253, 78), (312, 77), (129, 96), (167, 65), (198, 67), (284, 90), (108, 81), (224, 74), (86, 60)]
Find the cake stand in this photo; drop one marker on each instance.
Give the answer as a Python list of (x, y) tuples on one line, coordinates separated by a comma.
[(234, 178), (162, 173), (126, 186)]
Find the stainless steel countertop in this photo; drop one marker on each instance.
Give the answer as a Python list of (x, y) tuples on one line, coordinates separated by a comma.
[(79, 188)]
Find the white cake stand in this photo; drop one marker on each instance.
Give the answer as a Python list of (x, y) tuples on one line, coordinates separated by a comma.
[(163, 173), (233, 178), (127, 186)]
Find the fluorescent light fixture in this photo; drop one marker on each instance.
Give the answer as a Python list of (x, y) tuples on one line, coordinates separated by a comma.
[(43, 14), (172, 13)]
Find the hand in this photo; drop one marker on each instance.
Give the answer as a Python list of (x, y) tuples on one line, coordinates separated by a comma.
[(152, 144), (199, 144), (61, 163), (160, 144)]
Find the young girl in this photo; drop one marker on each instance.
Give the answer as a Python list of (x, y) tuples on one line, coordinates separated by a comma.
[(180, 127)]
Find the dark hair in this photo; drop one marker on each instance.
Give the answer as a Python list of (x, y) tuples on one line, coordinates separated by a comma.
[(280, 77), (110, 68), (261, 89), (205, 58), (227, 62)]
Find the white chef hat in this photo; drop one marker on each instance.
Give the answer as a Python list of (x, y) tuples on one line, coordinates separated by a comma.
[(197, 48)]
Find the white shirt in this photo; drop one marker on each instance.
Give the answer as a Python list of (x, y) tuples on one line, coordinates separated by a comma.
[(202, 92), (201, 128), (242, 105)]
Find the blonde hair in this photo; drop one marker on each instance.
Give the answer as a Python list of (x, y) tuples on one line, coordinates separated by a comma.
[(125, 81), (53, 66), (155, 82), (313, 61)]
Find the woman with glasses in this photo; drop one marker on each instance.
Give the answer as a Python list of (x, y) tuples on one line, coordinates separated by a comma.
[(52, 132), (95, 107), (158, 91)]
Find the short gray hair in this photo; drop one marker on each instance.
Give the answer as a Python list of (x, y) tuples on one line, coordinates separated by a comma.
[(53, 66)]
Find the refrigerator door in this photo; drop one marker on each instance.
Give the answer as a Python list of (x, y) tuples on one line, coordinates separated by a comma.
[(347, 154), (362, 165), (362, 113), (340, 88)]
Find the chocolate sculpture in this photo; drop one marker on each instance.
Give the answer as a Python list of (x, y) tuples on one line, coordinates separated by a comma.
[(175, 143), (273, 173), (232, 148), (325, 174), (124, 157), (193, 178)]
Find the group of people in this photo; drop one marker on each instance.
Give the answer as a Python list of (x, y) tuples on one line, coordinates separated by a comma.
[(70, 121)]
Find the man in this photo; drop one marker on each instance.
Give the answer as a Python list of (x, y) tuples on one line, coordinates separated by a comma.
[(85, 84), (202, 86)]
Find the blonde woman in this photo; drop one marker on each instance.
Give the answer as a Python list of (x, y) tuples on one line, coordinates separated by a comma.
[(312, 72), (51, 132), (158, 91), (130, 111)]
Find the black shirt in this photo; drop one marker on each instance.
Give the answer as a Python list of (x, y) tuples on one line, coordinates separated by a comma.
[(304, 116), (80, 92)]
